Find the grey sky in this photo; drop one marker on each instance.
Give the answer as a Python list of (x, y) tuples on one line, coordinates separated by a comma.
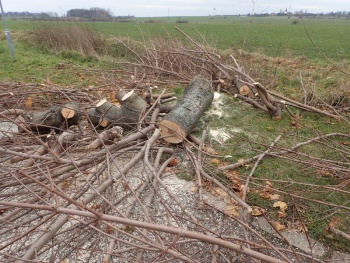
[(142, 8)]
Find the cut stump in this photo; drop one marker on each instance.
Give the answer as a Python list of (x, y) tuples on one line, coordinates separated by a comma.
[(107, 114), (177, 124), (56, 117)]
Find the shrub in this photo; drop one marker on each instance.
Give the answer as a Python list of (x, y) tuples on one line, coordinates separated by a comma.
[(71, 38), (182, 21), (154, 21), (295, 21)]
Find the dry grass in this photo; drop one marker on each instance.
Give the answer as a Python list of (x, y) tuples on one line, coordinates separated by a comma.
[(72, 38)]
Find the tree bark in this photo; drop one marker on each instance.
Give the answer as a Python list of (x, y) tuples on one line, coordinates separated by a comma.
[(197, 97), (56, 117), (107, 114)]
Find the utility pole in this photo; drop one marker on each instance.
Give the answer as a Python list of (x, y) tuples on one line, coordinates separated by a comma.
[(7, 33)]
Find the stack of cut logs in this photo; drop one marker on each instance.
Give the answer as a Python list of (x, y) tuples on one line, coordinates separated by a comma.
[(175, 126)]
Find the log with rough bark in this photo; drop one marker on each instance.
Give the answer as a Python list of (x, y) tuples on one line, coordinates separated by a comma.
[(107, 114), (56, 117), (197, 97)]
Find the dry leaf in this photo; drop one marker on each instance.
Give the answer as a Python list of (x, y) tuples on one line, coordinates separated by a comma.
[(274, 196), (334, 222), (28, 102), (281, 205), (109, 229), (240, 160), (257, 211), (219, 192), (215, 161), (173, 162), (278, 226), (301, 227), (209, 150), (268, 183), (281, 214), (231, 210), (194, 189), (265, 195), (230, 201)]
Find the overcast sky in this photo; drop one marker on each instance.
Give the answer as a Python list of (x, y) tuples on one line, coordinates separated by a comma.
[(149, 8)]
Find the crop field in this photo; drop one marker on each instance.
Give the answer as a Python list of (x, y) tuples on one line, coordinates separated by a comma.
[(274, 36)]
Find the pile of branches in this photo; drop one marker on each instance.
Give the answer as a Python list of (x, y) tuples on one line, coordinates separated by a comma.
[(164, 62), (75, 192)]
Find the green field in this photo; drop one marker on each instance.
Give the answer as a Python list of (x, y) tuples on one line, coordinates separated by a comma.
[(271, 36), (274, 36)]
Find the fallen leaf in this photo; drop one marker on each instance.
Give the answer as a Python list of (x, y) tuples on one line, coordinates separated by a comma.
[(278, 226), (109, 229), (334, 222), (215, 161), (2, 211), (268, 183), (240, 160), (209, 150), (281, 205), (230, 201), (281, 214), (219, 192), (257, 211), (274, 196), (194, 189), (28, 102), (231, 210), (173, 162), (265, 195), (301, 227)]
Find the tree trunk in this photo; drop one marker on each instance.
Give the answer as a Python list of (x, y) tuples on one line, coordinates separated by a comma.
[(71, 113), (55, 117), (197, 97), (106, 113)]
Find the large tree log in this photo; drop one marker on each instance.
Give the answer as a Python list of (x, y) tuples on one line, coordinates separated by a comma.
[(197, 97), (56, 117), (107, 114)]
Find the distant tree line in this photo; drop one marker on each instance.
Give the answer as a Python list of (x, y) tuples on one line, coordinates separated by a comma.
[(101, 14), (306, 14), (92, 14), (29, 14)]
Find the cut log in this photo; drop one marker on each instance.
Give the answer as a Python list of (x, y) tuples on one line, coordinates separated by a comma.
[(43, 121), (55, 117), (242, 88), (197, 97), (71, 113), (107, 114), (106, 137)]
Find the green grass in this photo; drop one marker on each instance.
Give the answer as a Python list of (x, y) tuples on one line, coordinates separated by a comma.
[(274, 36), (251, 132)]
